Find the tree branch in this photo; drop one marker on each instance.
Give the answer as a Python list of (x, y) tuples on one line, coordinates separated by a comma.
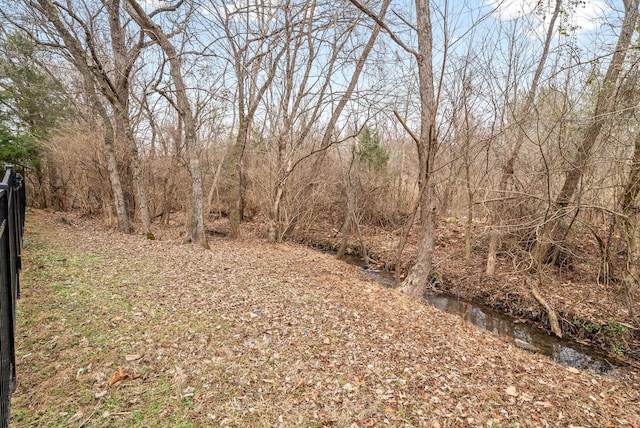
[(385, 27), (414, 137)]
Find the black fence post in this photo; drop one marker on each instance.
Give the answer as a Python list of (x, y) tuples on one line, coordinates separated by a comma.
[(12, 213)]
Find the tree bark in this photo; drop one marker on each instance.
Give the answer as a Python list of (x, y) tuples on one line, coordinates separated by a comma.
[(112, 164), (275, 228), (417, 280), (195, 232), (124, 60), (551, 313), (631, 224)]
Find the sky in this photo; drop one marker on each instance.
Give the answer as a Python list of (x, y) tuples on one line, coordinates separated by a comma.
[(586, 16)]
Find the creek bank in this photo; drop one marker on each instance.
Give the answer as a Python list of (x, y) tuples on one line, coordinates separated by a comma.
[(524, 335), (508, 295), (619, 342)]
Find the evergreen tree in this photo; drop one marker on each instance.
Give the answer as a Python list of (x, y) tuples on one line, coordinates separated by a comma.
[(372, 153), (32, 103)]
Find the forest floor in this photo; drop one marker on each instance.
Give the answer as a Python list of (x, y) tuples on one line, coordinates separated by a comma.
[(589, 311), (252, 334)]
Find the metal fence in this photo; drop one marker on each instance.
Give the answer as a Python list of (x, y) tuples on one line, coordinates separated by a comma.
[(12, 211)]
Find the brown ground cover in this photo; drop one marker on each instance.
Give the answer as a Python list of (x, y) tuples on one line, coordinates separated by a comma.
[(254, 334), (590, 311)]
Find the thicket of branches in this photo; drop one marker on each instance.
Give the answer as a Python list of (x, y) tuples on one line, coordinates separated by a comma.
[(289, 112)]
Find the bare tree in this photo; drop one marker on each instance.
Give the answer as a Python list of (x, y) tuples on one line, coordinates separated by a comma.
[(88, 64), (255, 45), (303, 105), (417, 279), (195, 225), (124, 58), (468, 140), (81, 42), (555, 228), (630, 207), (112, 164)]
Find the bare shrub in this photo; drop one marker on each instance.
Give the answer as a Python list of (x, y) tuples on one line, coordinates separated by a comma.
[(384, 203), (81, 175), (168, 187), (312, 193)]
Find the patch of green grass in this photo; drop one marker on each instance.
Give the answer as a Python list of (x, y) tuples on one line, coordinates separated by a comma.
[(136, 418)]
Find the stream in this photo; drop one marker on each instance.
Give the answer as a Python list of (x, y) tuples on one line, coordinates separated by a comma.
[(525, 336)]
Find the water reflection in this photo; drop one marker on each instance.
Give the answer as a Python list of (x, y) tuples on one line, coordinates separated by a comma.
[(562, 351)]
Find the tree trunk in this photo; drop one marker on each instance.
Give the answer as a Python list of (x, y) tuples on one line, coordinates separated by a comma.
[(124, 60), (417, 280), (467, 232), (631, 223), (551, 313), (350, 220), (346, 232), (195, 232), (419, 276), (112, 164), (235, 192), (124, 132), (555, 229), (276, 227), (275, 222), (632, 276), (214, 185)]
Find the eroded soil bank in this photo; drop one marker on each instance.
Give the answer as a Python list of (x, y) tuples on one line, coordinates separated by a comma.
[(254, 334)]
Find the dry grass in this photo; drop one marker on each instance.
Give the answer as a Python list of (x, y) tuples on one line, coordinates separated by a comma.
[(253, 334)]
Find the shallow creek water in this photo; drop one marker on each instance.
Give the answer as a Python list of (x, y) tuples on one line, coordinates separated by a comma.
[(563, 351)]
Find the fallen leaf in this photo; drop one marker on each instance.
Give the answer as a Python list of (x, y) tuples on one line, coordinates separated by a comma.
[(116, 377), (121, 375), (526, 397), (512, 391), (132, 357), (348, 387)]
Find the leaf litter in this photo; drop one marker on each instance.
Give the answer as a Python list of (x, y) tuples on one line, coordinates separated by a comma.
[(255, 334)]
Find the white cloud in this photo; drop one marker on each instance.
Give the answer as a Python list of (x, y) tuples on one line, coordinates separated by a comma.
[(585, 16), (506, 10), (589, 16)]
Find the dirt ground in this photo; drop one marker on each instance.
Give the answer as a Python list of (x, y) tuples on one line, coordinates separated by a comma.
[(252, 334)]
